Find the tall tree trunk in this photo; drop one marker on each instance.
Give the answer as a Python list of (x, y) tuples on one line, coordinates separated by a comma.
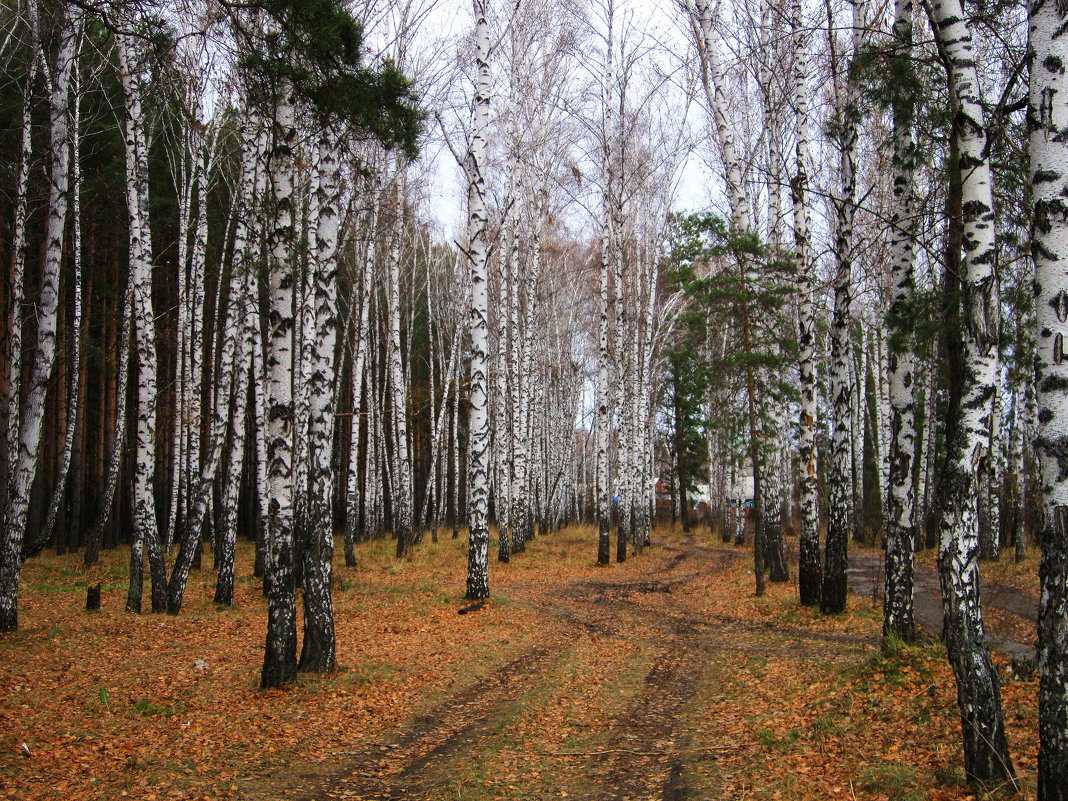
[(318, 651), (31, 416), (608, 243), (836, 561), (478, 419), (398, 382), (359, 370), (713, 81), (245, 250), (1049, 182), (18, 261), (986, 753), (243, 296), (280, 655), (227, 383), (146, 533), (808, 577), (900, 502), (77, 326)]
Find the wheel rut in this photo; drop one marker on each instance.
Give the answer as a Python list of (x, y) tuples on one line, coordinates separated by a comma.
[(418, 760)]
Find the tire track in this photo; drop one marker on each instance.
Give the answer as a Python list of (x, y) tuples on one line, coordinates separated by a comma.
[(417, 762)]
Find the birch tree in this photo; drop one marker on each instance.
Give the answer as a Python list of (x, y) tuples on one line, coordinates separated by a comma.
[(24, 462), (146, 536), (1048, 120), (841, 388), (280, 656), (478, 419), (900, 503), (986, 756), (318, 650), (809, 584)]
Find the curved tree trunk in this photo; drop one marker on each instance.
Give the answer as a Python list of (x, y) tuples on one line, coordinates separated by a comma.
[(31, 416), (74, 393), (986, 752)]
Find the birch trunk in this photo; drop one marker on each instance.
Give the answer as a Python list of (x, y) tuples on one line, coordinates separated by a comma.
[(398, 383), (31, 416), (263, 489), (318, 650), (608, 244), (359, 369), (809, 537), (836, 561), (195, 316), (990, 549), (986, 753), (713, 81), (146, 535), (280, 656), (478, 420), (507, 390), (900, 504), (1048, 116), (243, 298), (18, 261), (1019, 465), (250, 190), (74, 394), (526, 454)]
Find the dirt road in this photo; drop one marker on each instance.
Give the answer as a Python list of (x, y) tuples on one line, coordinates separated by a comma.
[(605, 706)]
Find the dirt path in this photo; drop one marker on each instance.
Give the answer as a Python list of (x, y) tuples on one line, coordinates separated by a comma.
[(643, 749), (1009, 616), (420, 760)]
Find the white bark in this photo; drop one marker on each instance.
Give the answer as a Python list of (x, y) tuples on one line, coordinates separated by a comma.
[(359, 370), (847, 115), (280, 657), (809, 568), (478, 420), (76, 332), (985, 749), (18, 250), (146, 533), (318, 652), (31, 416), (900, 363), (398, 382), (1049, 182)]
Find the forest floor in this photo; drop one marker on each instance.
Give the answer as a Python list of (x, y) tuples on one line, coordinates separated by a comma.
[(661, 678)]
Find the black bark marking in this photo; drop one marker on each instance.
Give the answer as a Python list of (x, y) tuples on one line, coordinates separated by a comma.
[(1054, 383), (1059, 304)]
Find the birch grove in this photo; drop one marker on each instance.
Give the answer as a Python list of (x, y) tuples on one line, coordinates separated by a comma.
[(760, 270)]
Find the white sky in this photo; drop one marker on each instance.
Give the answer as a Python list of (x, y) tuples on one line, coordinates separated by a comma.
[(432, 58)]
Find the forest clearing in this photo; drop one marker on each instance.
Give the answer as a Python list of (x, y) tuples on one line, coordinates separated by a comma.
[(662, 678)]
